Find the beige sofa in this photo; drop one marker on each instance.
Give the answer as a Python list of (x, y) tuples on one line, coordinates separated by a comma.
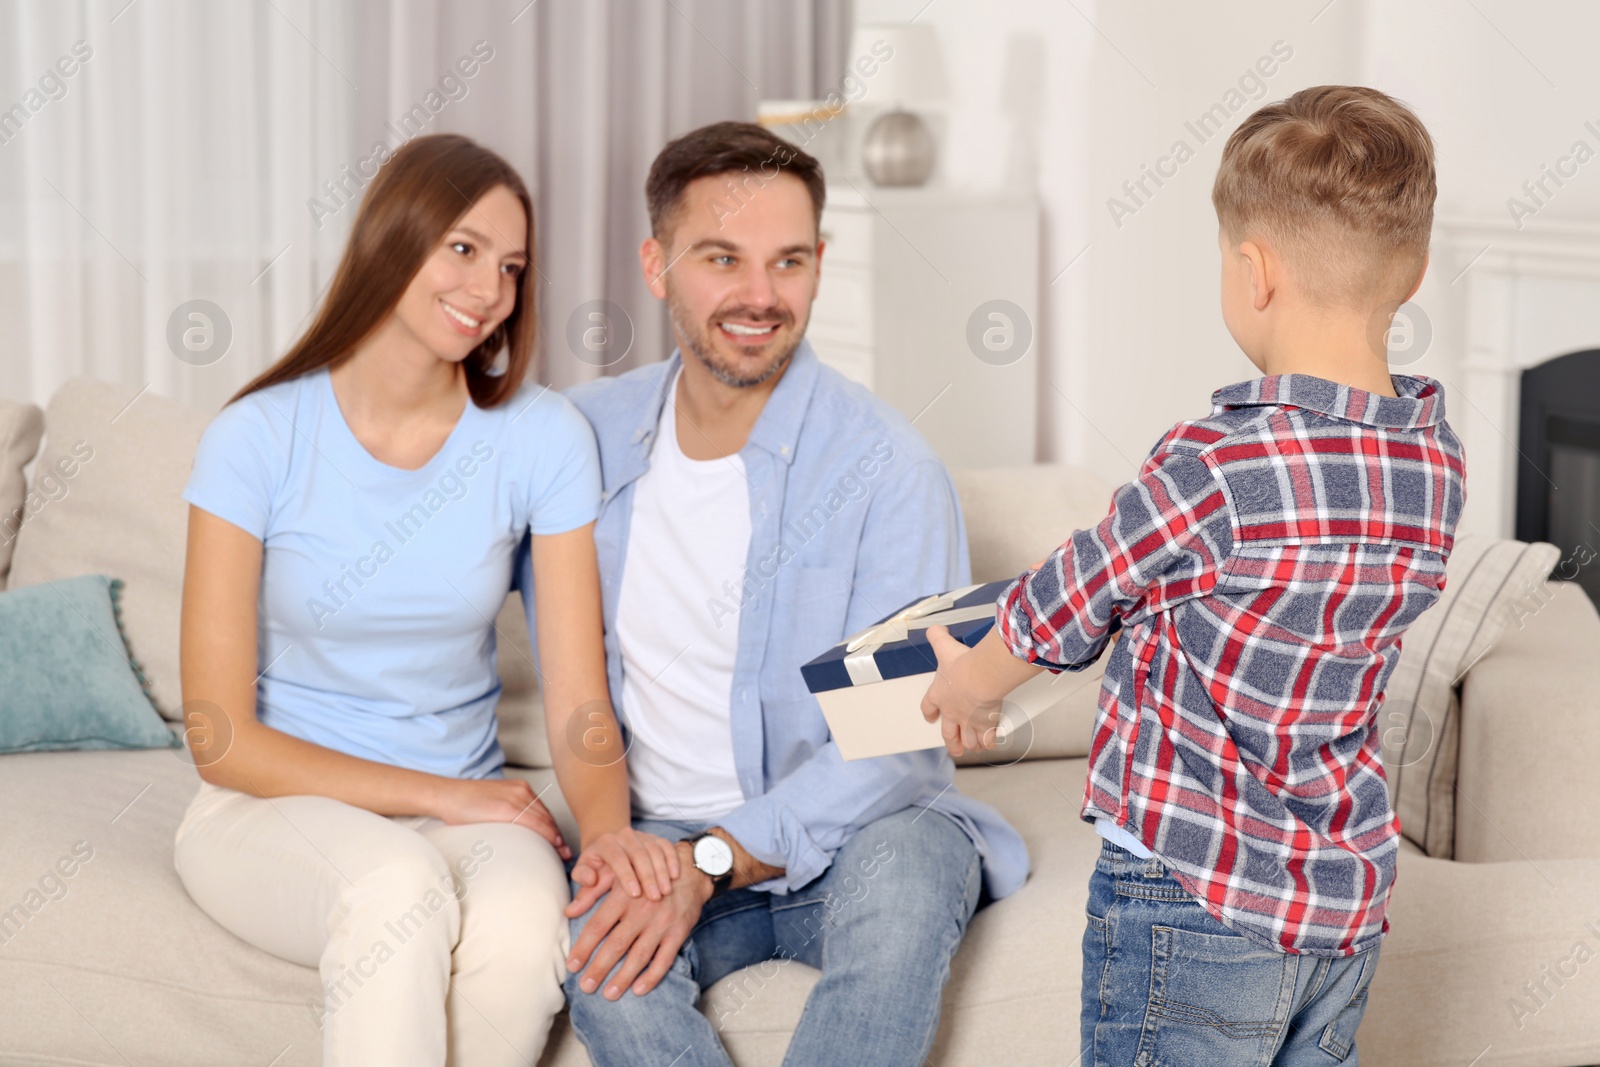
[(122, 968)]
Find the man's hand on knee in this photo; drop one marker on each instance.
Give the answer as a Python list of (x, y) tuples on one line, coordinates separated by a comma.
[(644, 935)]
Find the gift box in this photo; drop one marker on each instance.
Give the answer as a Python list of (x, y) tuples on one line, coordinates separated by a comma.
[(871, 684)]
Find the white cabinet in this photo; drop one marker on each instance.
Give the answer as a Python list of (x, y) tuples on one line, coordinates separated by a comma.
[(930, 299)]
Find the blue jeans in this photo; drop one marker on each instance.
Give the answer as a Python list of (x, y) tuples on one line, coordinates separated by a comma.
[(881, 924), (1166, 983)]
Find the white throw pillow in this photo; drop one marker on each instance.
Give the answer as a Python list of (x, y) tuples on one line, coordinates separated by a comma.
[(1488, 582)]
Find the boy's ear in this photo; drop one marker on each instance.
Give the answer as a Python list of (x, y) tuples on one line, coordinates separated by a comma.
[(1263, 278)]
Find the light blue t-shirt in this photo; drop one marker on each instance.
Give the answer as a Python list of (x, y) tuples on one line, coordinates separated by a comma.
[(379, 586)]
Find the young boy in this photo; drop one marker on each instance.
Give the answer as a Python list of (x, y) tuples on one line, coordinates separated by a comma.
[(1261, 569)]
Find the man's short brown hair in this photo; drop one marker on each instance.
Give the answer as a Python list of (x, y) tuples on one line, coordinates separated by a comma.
[(750, 154), (1339, 180)]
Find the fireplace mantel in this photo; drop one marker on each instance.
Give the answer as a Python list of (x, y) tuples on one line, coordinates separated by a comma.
[(1527, 295)]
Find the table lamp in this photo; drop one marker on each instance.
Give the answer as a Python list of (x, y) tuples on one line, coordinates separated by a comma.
[(899, 148)]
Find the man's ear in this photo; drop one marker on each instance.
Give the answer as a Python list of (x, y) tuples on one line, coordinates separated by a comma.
[(653, 264)]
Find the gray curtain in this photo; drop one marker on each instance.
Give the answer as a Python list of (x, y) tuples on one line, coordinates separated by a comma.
[(580, 96), (647, 71)]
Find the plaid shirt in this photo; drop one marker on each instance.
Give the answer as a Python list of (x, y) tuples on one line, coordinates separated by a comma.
[(1264, 563)]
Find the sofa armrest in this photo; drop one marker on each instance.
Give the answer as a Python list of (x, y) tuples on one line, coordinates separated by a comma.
[(1530, 737)]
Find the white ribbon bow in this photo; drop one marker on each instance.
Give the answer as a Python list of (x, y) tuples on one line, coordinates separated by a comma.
[(939, 610)]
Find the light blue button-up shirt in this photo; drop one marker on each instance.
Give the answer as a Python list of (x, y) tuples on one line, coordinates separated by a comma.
[(852, 517)]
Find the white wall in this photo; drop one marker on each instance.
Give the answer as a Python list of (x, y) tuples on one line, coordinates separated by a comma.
[(1157, 347), (1134, 338), (1019, 74), (1503, 92), (1506, 90)]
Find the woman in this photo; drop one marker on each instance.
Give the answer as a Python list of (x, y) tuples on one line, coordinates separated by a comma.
[(355, 515)]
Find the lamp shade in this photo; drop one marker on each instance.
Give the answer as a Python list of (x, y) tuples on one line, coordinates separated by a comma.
[(909, 64)]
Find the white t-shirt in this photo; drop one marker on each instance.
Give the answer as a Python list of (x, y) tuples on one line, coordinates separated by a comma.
[(687, 543)]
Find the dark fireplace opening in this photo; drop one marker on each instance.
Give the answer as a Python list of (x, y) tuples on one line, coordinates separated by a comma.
[(1558, 471)]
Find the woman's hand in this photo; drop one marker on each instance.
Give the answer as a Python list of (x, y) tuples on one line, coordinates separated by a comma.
[(468, 800), (639, 863)]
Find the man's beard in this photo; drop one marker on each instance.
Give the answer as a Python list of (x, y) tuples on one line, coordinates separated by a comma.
[(697, 339)]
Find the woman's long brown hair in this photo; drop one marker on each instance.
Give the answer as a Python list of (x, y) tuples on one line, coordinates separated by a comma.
[(409, 207)]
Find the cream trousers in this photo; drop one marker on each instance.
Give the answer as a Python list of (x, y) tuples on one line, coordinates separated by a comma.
[(436, 944)]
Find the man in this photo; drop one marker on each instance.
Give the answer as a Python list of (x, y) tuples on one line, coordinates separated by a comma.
[(757, 509)]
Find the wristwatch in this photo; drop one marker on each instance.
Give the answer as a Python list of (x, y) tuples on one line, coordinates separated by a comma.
[(714, 857)]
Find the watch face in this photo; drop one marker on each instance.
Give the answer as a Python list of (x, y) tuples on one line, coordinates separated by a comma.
[(713, 855)]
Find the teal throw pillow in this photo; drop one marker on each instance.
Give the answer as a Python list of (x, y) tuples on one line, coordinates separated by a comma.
[(67, 680)]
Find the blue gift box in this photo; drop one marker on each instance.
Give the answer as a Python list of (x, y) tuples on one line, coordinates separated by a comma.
[(897, 647)]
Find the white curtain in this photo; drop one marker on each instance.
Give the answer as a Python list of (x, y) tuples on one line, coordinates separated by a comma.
[(171, 165), (211, 150)]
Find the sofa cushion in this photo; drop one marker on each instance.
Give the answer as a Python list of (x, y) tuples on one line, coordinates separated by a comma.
[(1486, 963), (121, 512), (21, 426), (112, 964), (1018, 515), (115, 963), (1488, 582)]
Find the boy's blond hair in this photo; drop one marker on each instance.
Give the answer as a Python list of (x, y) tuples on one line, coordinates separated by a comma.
[(1339, 180)]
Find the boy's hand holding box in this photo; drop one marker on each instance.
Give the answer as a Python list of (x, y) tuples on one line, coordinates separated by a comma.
[(871, 684)]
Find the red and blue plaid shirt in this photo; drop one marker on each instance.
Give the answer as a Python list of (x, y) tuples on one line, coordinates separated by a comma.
[(1264, 566)]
